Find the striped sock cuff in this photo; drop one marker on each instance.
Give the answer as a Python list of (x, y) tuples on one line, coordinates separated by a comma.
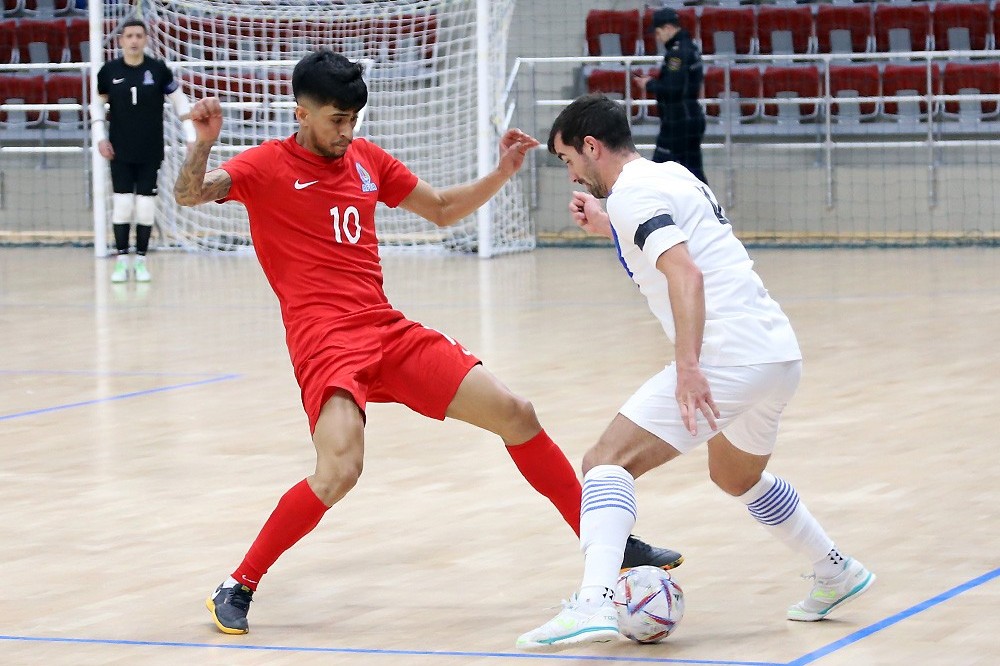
[(776, 505), (608, 487)]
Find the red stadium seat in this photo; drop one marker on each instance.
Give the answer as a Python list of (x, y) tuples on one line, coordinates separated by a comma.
[(744, 83), (20, 89), (854, 81), (12, 7), (902, 27), (908, 80), (843, 29), (78, 36), (784, 30), (791, 81), (41, 40), (48, 8), (727, 30), (8, 40), (963, 78), (64, 89), (612, 32), (612, 84), (961, 26), (689, 21)]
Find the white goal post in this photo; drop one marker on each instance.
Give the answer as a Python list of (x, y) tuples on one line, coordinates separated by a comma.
[(436, 82)]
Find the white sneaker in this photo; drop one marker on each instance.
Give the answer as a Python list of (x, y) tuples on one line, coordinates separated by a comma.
[(141, 272), (830, 593), (576, 623), (120, 272)]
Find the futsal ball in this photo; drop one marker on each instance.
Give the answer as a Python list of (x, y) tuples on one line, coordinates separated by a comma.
[(650, 604)]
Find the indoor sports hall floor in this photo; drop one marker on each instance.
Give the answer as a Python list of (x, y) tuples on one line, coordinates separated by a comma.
[(146, 431)]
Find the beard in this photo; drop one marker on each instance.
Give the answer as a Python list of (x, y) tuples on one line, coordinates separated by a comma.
[(597, 189)]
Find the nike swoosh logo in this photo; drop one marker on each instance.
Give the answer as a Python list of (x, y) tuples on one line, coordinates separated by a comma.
[(117, 80), (302, 186)]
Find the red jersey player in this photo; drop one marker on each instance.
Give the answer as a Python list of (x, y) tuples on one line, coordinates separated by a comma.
[(311, 203)]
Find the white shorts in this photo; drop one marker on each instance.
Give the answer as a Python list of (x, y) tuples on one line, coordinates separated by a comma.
[(750, 399)]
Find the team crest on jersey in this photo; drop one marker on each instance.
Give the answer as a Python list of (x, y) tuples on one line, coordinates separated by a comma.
[(367, 185), (147, 78)]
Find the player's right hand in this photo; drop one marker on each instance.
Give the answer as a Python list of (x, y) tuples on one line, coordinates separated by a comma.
[(206, 114), (106, 150), (588, 214)]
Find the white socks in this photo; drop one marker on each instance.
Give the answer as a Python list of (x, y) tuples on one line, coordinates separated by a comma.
[(607, 515), (776, 506)]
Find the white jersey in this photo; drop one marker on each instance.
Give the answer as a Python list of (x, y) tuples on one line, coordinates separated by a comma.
[(656, 206)]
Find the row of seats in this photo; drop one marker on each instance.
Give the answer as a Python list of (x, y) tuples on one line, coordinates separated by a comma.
[(29, 40), (408, 43), (786, 30), (44, 8), (39, 89), (749, 85), (391, 39), (245, 89)]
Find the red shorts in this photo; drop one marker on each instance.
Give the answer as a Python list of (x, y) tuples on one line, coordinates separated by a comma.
[(401, 361)]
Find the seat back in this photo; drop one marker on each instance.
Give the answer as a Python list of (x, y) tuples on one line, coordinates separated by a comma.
[(860, 80), (41, 40), (961, 26), (612, 84), (902, 27), (841, 29), (64, 89), (744, 83), (791, 81), (726, 30), (899, 80), (612, 32), (21, 89), (964, 78), (784, 30)]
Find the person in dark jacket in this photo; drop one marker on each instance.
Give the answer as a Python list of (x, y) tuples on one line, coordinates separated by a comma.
[(677, 89)]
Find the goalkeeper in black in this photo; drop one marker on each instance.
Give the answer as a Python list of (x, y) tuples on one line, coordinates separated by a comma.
[(130, 136)]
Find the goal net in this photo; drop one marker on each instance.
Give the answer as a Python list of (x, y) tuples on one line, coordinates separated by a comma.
[(422, 64)]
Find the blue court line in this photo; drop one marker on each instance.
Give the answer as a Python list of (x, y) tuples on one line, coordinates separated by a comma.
[(121, 396), (394, 653), (801, 661), (889, 621)]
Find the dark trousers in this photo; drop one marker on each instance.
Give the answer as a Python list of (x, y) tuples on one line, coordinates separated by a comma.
[(682, 144)]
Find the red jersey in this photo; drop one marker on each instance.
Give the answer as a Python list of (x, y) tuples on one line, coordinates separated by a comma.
[(312, 220)]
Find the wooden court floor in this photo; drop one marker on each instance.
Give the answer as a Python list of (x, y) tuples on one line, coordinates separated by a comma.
[(147, 431)]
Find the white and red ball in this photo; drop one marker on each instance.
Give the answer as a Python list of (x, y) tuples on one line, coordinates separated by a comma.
[(650, 604)]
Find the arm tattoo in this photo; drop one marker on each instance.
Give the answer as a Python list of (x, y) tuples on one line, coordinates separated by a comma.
[(193, 187)]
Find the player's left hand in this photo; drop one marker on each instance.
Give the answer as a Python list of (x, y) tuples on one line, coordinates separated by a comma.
[(641, 81), (694, 395), (514, 145)]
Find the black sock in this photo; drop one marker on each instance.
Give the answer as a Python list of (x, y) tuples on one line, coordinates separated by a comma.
[(121, 237), (142, 234)]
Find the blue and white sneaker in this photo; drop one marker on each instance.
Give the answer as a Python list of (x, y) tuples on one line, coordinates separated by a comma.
[(576, 623), (830, 593)]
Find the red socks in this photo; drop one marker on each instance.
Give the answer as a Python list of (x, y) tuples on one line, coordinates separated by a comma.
[(297, 513), (545, 467)]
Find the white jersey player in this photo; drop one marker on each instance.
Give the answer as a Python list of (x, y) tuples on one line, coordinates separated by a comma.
[(736, 365)]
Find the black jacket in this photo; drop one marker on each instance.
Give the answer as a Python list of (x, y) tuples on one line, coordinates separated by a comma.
[(678, 87)]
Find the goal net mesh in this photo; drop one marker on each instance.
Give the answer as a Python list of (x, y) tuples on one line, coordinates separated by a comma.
[(421, 60)]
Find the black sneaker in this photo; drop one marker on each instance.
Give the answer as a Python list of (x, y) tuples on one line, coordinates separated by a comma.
[(639, 553), (229, 606)]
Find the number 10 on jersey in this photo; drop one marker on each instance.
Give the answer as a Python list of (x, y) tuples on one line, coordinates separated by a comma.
[(349, 228)]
